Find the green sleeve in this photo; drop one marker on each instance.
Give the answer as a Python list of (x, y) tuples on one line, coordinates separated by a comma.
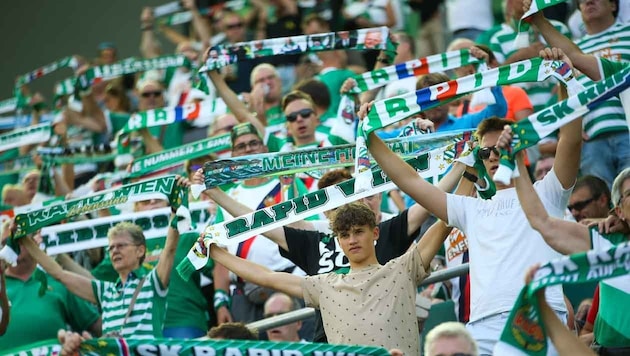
[(105, 271)]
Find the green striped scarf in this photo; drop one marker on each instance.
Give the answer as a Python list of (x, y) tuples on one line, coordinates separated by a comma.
[(522, 33)]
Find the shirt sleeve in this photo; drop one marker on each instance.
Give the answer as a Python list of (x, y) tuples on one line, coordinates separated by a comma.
[(312, 290), (411, 261), (554, 197), (456, 208), (303, 245), (394, 240), (499, 109)]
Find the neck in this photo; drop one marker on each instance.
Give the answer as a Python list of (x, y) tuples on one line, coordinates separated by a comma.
[(123, 274), (364, 263), (304, 141), (596, 26), (22, 272)]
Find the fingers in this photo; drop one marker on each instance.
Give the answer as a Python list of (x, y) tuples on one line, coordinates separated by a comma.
[(529, 275)]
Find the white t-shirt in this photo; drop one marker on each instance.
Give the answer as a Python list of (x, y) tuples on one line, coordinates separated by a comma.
[(502, 245), (464, 14)]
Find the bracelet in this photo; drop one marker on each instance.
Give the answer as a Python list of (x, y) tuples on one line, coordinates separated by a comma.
[(471, 177), (222, 298)]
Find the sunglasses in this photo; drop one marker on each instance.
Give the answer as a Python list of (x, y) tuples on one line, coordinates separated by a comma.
[(234, 25), (304, 113), (484, 152), (581, 204), (148, 94)]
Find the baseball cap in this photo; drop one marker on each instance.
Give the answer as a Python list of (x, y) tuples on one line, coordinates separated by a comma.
[(243, 129)]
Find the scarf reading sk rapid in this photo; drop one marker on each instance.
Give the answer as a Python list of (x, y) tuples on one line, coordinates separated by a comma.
[(31, 221)]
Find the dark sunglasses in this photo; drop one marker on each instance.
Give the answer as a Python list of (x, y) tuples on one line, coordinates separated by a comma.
[(148, 94), (304, 113), (581, 204), (234, 25), (484, 152)]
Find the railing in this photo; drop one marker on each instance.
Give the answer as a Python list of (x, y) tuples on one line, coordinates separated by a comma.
[(305, 313)]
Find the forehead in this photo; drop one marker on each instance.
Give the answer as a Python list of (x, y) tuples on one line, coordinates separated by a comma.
[(246, 138), (581, 191), (263, 73), (150, 87), (297, 104), (227, 119), (490, 138), (121, 236)]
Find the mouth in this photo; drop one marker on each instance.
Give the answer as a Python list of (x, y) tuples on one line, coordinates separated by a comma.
[(354, 249), (493, 169)]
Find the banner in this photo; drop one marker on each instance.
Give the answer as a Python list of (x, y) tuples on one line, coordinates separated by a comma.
[(201, 113), (178, 155), (8, 105), (34, 220), (27, 136), (308, 160), (376, 38), (392, 110), (414, 68), (67, 62), (524, 333), (184, 347), (86, 234), (431, 166)]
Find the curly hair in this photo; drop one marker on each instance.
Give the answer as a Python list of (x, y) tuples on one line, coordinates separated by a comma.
[(333, 177), (353, 214), (232, 331)]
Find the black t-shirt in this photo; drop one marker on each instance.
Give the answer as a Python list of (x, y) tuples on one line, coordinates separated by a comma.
[(317, 253)]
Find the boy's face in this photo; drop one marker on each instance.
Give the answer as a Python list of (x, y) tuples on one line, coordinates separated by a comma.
[(358, 242)]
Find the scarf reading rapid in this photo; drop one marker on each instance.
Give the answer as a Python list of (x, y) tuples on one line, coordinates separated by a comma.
[(524, 333), (125, 347), (430, 166), (376, 38), (31, 221)]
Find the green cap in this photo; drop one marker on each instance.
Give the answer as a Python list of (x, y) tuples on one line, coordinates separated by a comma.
[(243, 129)]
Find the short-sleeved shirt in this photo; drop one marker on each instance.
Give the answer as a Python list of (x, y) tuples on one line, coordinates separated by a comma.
[(375, 305), (36, 317), (612, 327), (147, 317)]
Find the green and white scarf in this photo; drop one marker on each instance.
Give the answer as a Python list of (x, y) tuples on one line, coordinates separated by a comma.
[(529, 131), (8, 105), (223, 55), (66, 62), (430, 166), (524, 333), (178, 155), (308, 160), (522, 36), (86, 234), (26, 136), (125, 347)]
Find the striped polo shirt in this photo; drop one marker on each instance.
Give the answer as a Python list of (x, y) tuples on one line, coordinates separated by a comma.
[(614, 45), (147, 317)]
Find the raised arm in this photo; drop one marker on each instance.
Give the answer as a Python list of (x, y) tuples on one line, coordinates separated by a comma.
[(167, 256), (149, 47), (563, 236), (257, 274), (405, 177), (77, 284), (233, 103), (4, 302), (585, 63), (200, 24)]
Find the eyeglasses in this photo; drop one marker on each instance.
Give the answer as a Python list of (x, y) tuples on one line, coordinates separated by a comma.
[(119, 246), (484, 152), (304, 113), (581, 204), (234, 25), (148, 94), (253, 144)]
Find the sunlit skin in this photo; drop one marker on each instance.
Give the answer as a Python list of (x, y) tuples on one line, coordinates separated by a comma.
[(303, 129), (126, 256), (358, 245), (31, 183), (596, 10), (543, 166), (492, 164), (151, 204), (623, 208), (249, 150), (451, 346), (269, 77), (224, 124), (598, 208), (151, 102)]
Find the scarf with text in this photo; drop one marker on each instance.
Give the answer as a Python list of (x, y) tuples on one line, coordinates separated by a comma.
[(524, 333), (522, 31), (8, 105), (306, 160), (26, 136), (124, 347), (86, 234), (430, 166), (67, 62), (529, 131), (376, 38)]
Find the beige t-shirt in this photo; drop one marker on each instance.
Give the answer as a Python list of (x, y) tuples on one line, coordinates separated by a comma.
[(371, 306)]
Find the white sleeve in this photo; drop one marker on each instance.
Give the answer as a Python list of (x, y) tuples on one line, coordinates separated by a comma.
[(456, 208), (553, 196)]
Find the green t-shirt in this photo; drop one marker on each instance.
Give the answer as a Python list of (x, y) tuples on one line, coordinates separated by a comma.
[(36, 318), (186, 304)]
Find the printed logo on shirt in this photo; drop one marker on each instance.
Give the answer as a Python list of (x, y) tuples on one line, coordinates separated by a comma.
[(456, 244), (331, 256)]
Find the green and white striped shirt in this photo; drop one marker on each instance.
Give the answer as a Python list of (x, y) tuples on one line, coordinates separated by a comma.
[(502, 45), (614, 45), (147, 317)]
